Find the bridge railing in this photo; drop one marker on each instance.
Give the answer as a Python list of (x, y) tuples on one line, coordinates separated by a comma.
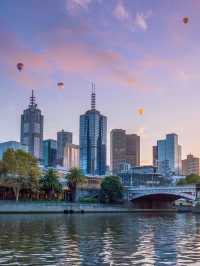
[(164, 188)]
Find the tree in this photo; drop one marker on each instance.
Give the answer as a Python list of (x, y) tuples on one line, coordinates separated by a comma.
[(74, 178), (19, 170), (50, 183), (190, 179), (111, 190)]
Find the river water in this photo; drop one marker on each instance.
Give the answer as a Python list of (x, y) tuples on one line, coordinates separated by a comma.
[(100, 239)]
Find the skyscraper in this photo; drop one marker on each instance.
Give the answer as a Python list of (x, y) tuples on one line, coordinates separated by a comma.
[(93, 140), (49, 152), (124, 149), (63, 138), (71, 156), (169, 155), (133, 149), (32, 128)]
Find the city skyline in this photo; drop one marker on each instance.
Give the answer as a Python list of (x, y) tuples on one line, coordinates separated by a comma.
[(157, 74), (93, 107)]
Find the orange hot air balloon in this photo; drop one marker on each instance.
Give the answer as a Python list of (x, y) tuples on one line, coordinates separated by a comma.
[(185, 20), (141, 111), (61, 85), (20, 66)]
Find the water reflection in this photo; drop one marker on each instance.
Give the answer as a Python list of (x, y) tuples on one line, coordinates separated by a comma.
[(100, 239)]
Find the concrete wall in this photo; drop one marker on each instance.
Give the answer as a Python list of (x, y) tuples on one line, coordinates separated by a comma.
[(60, 207)]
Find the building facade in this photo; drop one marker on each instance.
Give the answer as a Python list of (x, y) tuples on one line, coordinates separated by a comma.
[(169, 155), (191, 165), (71, 156), (32, 129), (147, 175), (14, 145), (63, 138), (133, 149), (124, 149), (155, 155), (50, 153), (93, 141)]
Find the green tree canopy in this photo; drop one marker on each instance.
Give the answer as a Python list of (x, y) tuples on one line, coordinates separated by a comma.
[(19, 170), (111, 189), (190, 179), (74, 178), (50, 183)]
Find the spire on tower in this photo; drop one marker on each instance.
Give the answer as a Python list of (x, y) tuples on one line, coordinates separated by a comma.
[(93, 97), (32, 100)]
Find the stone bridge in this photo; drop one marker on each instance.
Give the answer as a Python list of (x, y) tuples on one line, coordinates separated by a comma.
[(158, 197)]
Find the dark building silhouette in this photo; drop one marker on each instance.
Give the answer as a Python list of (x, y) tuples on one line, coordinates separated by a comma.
[(155, 155)]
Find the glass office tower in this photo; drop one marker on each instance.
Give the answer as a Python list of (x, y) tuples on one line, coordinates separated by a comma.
[(93, 140), (169, 155), (50, 152)]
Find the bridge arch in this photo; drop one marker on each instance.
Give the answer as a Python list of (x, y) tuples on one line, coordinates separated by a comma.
[(163, 195)]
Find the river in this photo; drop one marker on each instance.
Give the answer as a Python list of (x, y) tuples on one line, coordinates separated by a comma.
[(100, 239)]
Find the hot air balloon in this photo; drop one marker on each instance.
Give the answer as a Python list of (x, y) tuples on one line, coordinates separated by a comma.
[(60, 85), (141, 111), (20, 66), (185, 20)]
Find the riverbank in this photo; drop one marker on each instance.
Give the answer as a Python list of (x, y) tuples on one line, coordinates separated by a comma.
[(65, 207)]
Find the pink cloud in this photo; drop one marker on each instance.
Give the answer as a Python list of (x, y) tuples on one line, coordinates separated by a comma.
[(79, 58)]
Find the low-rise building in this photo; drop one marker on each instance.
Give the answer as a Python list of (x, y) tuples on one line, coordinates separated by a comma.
[(142, 176), (15, 145)]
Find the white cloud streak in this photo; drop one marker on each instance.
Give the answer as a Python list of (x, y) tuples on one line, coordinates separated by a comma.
[(120, 12), (77, 4), (141, 21)]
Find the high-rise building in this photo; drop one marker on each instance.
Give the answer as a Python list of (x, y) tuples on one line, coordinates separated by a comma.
[(155, 156), (14, 145), (169, 155), (93, 140), (32, 128), (117, 149), (63, 138), (191, 165), (124, 149), (133, 149), (71, 156), (49, 152)]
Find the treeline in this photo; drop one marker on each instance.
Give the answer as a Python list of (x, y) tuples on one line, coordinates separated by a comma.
[(20, 175), (189, 180)]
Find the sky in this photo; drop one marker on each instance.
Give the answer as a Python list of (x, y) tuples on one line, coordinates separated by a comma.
[(139, 53)]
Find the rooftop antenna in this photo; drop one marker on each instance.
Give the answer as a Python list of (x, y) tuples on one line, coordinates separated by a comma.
[(93, 97), (32, 99)]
